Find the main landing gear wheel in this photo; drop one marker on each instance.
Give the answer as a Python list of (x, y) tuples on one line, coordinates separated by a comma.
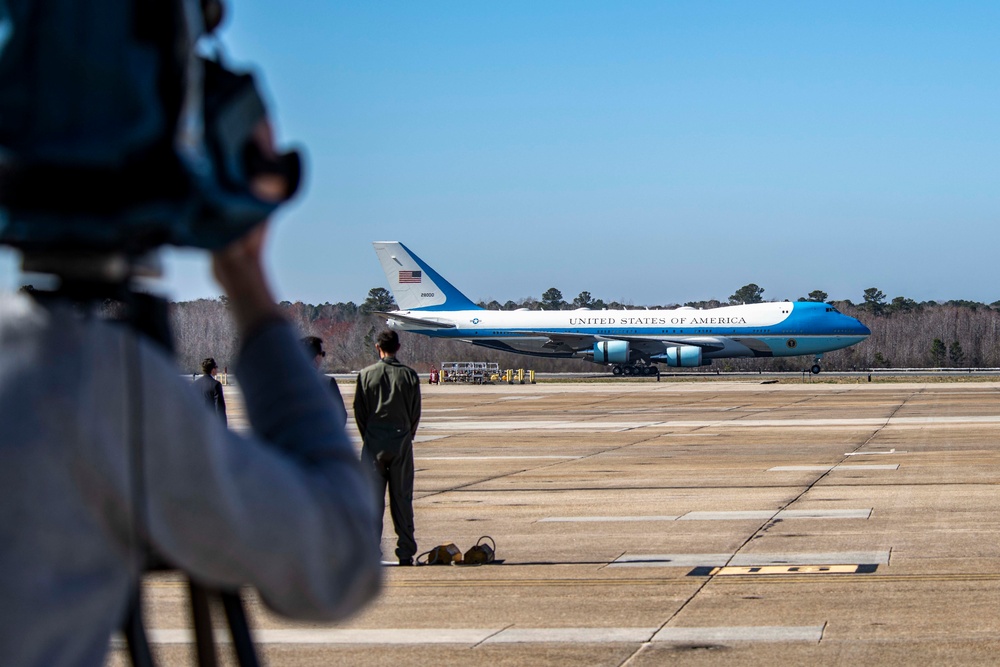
[(815, 369), (634, 370)]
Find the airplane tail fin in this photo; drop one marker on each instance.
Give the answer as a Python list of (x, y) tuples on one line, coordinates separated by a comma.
[(415, 285)]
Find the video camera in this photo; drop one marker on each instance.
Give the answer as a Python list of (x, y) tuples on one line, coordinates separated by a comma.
[(117, 136)]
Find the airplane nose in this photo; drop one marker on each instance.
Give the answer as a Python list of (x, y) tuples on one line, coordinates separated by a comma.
[(862, 329)]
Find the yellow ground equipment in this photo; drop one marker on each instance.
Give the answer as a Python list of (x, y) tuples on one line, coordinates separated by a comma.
[(519, 376)]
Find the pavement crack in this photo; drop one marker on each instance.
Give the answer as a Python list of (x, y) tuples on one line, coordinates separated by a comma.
[(491, 636)]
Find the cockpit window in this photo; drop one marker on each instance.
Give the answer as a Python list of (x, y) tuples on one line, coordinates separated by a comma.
[(831, 309)]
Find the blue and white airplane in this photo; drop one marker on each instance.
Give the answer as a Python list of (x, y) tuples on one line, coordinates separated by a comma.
[(631, 341)]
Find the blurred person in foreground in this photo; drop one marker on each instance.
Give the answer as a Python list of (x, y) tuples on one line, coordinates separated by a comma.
[(287, 510)]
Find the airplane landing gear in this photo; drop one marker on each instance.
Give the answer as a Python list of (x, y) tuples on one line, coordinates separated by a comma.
[(816, 368), (636, 370)]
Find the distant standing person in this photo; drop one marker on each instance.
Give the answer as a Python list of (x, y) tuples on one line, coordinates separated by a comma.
[(211, 388), (387, 411), (315, 351)]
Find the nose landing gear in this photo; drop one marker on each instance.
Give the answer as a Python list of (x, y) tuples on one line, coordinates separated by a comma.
[(815, 367)]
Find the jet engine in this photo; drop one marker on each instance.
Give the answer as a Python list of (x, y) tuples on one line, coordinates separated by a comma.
[(611, 352), (683, 355)]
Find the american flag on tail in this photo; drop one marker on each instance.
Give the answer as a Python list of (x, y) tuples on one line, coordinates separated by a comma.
[(409, 277)]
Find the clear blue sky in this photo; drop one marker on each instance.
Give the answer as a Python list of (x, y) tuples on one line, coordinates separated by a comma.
[(647, 152)]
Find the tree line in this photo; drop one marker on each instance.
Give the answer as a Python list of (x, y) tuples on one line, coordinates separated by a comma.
[(905, 333)]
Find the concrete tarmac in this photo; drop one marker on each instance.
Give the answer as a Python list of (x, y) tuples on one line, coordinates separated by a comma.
[(643, 523)]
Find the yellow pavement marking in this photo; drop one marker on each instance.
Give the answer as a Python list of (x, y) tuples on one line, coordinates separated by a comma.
[(785, 569)]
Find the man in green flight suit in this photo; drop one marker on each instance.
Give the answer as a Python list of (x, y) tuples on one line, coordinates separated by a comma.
[(387, 411)]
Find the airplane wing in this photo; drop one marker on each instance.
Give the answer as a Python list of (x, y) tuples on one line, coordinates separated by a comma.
[(569, 342), (560, 341), (706, 343), (418, 321)]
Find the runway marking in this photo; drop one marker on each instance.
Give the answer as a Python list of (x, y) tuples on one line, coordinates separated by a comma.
[(533, 425), (444, 424), (619, 582), (825, 514), (490, 458), (572, 635), (496, 635), (337, 636), (770, 633), (893, 466), (674, 582), (891, 451), (671, 560), (782, 514), (586, 519), (520, 398), (738, 515), (750, 560), (783, 569)]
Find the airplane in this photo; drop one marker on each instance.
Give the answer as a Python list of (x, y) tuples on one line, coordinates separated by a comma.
[(632, 342)]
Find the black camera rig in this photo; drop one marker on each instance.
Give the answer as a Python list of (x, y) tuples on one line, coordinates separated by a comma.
[(117, 137)]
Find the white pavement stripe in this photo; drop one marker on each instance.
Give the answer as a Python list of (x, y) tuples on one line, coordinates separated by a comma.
[(437, 425), (771, 633), (825, 514), (489, 458), (752, 560), (814, 558), (671, 560), (467, 425), (893, 466), (572, 635), (338, 636), (586, 519), (756, 515), (746, 515), (783, 514), (514, 635)]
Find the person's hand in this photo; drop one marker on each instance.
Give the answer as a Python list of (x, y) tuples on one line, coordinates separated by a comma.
[(268, 182), (239, 270)]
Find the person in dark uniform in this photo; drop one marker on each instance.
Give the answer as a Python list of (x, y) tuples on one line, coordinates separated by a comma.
[(211, 388), (315, 351), (387, 411)]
